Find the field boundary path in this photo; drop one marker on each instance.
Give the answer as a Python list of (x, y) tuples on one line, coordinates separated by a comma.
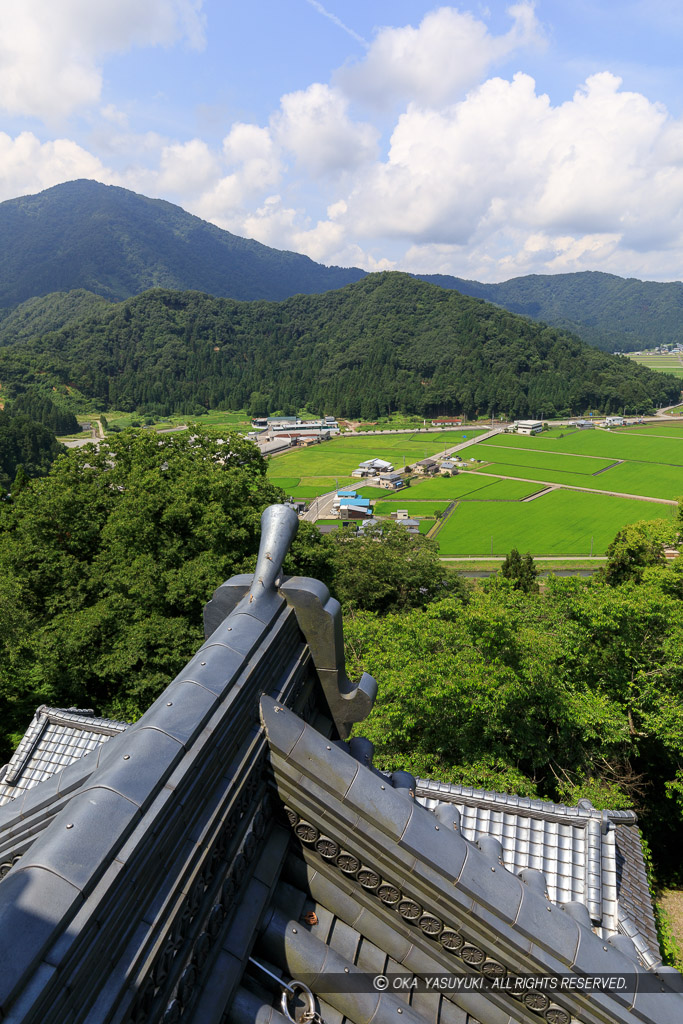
[(575, 487), (450, 509), (539, 494)]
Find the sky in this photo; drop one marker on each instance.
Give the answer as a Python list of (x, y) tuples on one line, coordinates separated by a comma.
[(486, 140)]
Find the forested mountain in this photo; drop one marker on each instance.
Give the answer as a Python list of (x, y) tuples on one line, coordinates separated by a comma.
[(387, 342), (613, 313), (46, 313), (116, 244), (113, 242)]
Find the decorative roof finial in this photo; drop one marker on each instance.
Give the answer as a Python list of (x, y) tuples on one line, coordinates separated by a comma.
[(279, 524)]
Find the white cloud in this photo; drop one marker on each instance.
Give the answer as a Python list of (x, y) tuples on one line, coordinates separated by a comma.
[(27, 165), (255, 167), (186, 168), (315, 126), (435, 63), (51, 53), (607, 163), (114, 116)]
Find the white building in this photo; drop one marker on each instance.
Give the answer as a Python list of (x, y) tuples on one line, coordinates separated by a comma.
[(528, 426)]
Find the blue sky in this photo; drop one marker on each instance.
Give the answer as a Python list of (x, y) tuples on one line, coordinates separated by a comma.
[(483, 140)]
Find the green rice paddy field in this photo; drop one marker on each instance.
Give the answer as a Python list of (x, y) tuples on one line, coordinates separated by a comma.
[(642, 460), (664, 362), (437, 493), (322, 467), (629, 462), (558, 523)]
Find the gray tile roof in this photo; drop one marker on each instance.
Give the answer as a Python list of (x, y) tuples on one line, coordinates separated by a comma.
[(590, 856), (169, 873), (430, 886), (55, 738)]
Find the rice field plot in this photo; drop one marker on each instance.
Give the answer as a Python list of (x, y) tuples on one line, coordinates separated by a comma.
[(559, 523), (650, 465), (503, 490), (644, 478), (539, 464), (306, 488), (285, 482), (674, 429), (416, 509), (340, 456), (641, 444), (438, 488), (665, 362)]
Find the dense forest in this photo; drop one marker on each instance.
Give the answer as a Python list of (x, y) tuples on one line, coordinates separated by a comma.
[(386, 343), (573, 691), (613, 313), (28, 445), (50, 313), (117, 244), (108, 240)]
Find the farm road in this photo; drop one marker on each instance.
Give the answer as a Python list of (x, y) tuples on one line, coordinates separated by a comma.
[(573, 487)]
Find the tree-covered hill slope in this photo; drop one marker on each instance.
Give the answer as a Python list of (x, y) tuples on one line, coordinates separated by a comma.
[(47, 313), (116, 244), (613, 313), (113, 242), (384, 343)]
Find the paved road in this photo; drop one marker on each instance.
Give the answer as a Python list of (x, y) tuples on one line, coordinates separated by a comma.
[(321, 508)]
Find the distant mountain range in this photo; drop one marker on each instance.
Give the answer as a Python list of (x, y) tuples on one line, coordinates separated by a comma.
[(116, 243), (385, 343), (613, 313), (113, 243)]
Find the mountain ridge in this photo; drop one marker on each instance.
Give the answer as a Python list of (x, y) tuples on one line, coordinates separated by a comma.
[(387, 342), (117, 243), (107, 240)]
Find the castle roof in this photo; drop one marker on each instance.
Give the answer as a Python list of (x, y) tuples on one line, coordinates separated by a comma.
[(233, 854)]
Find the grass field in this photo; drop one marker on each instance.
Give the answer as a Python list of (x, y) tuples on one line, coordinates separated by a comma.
[(323, 467), (649, 464), (665, 362), (559, 523)]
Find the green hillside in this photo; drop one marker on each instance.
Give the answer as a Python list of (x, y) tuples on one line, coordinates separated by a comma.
[(613, 313), (47, 313), (388, 342), (116, 243)]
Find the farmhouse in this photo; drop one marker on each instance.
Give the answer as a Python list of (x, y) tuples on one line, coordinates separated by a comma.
[(392, 481), (372, 467), (614, 421), (280, 444), (354, 511), (446, 423), (528, 426), (233, 857), (428, 467)]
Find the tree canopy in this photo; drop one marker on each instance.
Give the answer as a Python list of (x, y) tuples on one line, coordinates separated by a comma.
[(105, 565), (521, 570), (386, 343)]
